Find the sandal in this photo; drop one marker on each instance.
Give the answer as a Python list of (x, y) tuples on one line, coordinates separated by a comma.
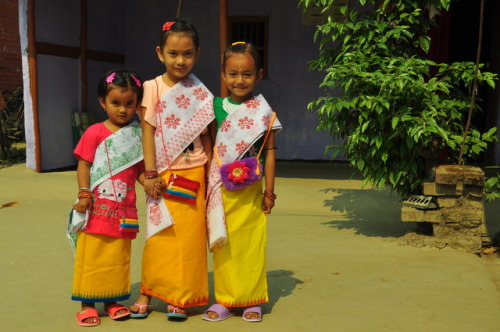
[(138, 313), (112, 311), (257, 310), (85, 314), (173, 312), (222, 312)]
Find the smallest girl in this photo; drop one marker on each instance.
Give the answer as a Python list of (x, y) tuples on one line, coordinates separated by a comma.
[(245, 126), (109, 163)]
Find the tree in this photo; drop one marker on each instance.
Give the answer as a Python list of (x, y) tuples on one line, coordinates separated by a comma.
[(384, 98)]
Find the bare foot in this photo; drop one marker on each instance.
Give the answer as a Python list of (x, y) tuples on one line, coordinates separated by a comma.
[(141, 304), (86, 306)]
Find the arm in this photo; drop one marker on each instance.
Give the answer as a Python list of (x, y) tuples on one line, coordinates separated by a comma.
[(207, 142), (269, 171), (83, 178), (148, 146)]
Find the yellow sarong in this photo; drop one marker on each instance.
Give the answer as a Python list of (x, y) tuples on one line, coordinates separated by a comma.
[(102, 269), (174, 264), (240, 265)]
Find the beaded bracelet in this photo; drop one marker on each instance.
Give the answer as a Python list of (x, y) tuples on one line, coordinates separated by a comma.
[(151, 174), (271, 196)]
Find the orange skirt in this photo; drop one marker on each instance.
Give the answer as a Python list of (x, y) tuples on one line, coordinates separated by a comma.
[(174, 263), (102, 268)]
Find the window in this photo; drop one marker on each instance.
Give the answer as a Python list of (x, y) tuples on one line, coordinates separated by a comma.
[(254, 29)]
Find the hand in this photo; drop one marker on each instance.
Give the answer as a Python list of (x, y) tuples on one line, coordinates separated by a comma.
[(82, 205), (267, 205), (153, 187)]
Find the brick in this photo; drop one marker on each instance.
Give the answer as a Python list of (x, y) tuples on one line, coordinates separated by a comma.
[(453, 174), (439, 189)]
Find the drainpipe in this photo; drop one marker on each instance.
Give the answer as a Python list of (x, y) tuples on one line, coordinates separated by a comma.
[(223, 14), (33, 75), (83, 54)]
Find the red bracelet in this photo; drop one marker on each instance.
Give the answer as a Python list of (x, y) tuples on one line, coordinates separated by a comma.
[(83, 193), (151, 174), (271, 196)]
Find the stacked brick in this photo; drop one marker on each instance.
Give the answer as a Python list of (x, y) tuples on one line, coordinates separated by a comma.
[(458, 221), (11, 76)]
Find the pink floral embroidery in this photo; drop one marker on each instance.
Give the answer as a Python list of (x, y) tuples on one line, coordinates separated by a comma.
[(221, 149), (265, 120), (252, 151), (200, 94), (225, 125), (245, 123), (162, 105), (172, 122), (252, 103), (154, 214), (182, 101), (158, 131), (188, 82), (241, 147)]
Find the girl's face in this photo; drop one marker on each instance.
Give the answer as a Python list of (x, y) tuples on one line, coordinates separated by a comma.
[(179, 56), (241, 75), (120, 105)]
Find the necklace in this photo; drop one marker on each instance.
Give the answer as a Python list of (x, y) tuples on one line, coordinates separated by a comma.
[(228, 106)]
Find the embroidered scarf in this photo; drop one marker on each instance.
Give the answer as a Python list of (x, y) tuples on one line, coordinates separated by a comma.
[(236, 135), (116, 153), (181, 115)]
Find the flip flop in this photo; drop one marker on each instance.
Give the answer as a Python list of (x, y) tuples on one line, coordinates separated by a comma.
[(114, 308), (257, 310), (222, 312), (172, 312), (138, 314), (89, 313)]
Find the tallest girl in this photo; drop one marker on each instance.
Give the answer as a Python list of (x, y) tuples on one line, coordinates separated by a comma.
[(176, 110)]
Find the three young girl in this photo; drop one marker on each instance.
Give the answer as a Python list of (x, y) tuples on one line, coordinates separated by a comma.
[(175, 113), (109, 163)]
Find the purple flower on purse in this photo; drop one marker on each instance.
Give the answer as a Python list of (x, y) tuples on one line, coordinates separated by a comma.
[(241, 173)]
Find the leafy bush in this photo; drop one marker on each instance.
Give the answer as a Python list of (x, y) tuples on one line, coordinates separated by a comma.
[(384, 98)]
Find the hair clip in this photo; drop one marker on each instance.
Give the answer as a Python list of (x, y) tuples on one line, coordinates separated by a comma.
[(237, 43), (168, 25), (137, 82), (110, 78)]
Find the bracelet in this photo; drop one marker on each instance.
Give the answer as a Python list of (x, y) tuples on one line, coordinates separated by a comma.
[(271, 196), (85, 193), (151, 174), (273, 148), (84, 189)]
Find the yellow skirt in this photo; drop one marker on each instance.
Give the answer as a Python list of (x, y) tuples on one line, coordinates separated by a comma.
[(174, 264), (240, 265), (102, 268)]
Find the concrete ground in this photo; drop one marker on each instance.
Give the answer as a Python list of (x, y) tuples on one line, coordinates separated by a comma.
[(335, 262)]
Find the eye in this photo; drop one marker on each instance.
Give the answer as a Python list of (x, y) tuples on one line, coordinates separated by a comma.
[(172, 54)]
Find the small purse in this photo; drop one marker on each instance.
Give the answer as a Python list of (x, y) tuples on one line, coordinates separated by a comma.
[(181, 189), (242, 173), (129, 225)]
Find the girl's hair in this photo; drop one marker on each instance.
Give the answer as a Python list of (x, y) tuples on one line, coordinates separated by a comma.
[(120, 78), (179, 26), (241, 48)]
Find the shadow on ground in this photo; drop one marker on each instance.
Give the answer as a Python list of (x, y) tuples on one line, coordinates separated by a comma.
[(280, 284), (367, 211)]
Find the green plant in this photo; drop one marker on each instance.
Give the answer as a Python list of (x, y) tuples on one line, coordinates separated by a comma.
[(384, 99), (11, 122)]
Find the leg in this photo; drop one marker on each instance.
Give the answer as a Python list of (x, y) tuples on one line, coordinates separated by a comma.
[(140, 308), (88, 316)]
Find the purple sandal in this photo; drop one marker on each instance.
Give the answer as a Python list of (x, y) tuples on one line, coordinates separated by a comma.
[(257, 310), (221, 311)]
